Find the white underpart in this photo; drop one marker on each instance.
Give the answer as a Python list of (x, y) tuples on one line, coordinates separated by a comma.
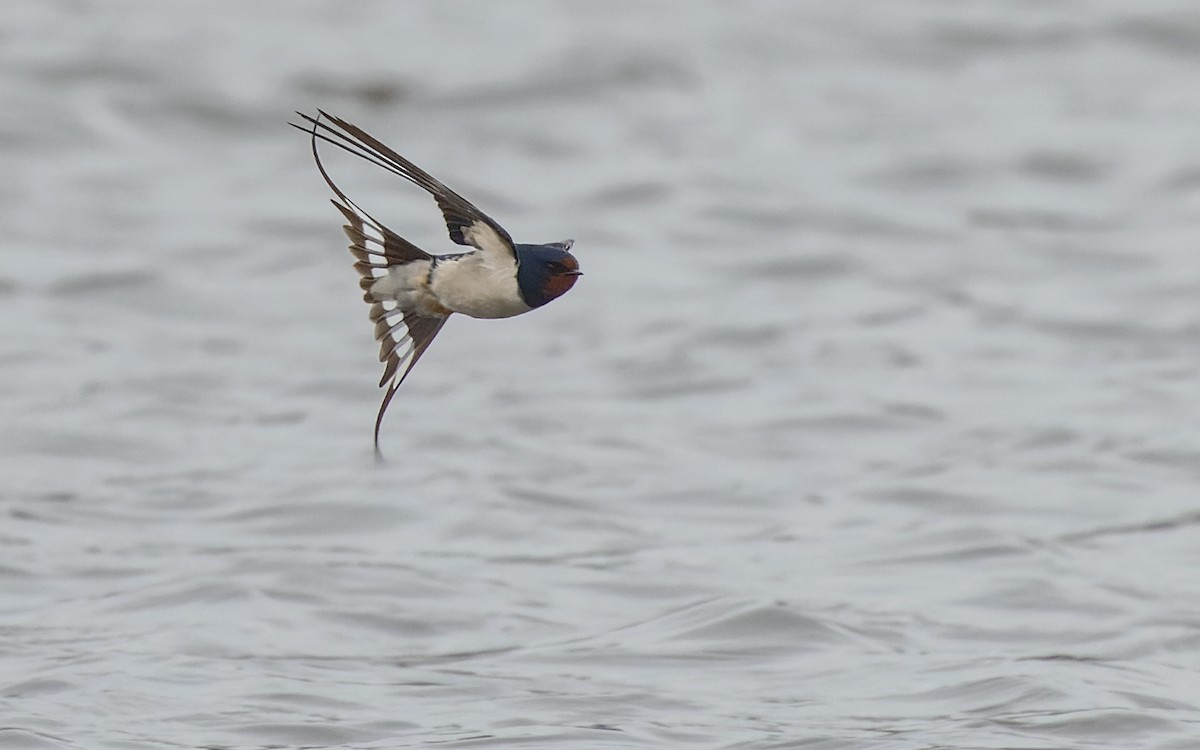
[(482, 284), (479, 284), (406, 284)]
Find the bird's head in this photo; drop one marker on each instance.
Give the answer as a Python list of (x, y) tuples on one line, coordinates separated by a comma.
[(546, 272)]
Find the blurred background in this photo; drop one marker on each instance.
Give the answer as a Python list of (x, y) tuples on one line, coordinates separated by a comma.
[(872, 424)]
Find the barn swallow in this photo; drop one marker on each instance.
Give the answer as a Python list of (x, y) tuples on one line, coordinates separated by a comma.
[(411, 292)]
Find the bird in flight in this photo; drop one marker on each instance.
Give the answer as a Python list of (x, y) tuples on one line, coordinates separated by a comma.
[(412, 292)]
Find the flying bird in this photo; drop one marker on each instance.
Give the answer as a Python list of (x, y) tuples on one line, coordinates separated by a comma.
[(411, 292)]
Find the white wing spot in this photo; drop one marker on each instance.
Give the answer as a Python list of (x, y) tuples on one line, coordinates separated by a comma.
[(373, 234), (373, 244)]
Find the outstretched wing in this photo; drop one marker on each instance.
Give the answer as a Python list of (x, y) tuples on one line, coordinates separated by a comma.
[(403, 336), (388, 248), (466, 223)]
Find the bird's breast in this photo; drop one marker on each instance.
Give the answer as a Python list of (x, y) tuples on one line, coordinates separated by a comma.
[(471, 286)]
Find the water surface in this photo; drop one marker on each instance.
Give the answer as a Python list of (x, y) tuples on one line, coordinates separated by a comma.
[(871, 425)]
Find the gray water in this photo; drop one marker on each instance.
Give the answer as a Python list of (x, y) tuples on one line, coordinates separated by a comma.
[(872, 424)]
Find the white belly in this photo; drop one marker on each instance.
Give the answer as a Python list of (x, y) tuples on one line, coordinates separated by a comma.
[(469, 285)]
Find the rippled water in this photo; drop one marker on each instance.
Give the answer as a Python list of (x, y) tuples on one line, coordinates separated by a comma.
[(873, 423)]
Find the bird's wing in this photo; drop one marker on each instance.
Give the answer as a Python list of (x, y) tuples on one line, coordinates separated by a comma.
[(466, 223), (403, 337), (383, 246)]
